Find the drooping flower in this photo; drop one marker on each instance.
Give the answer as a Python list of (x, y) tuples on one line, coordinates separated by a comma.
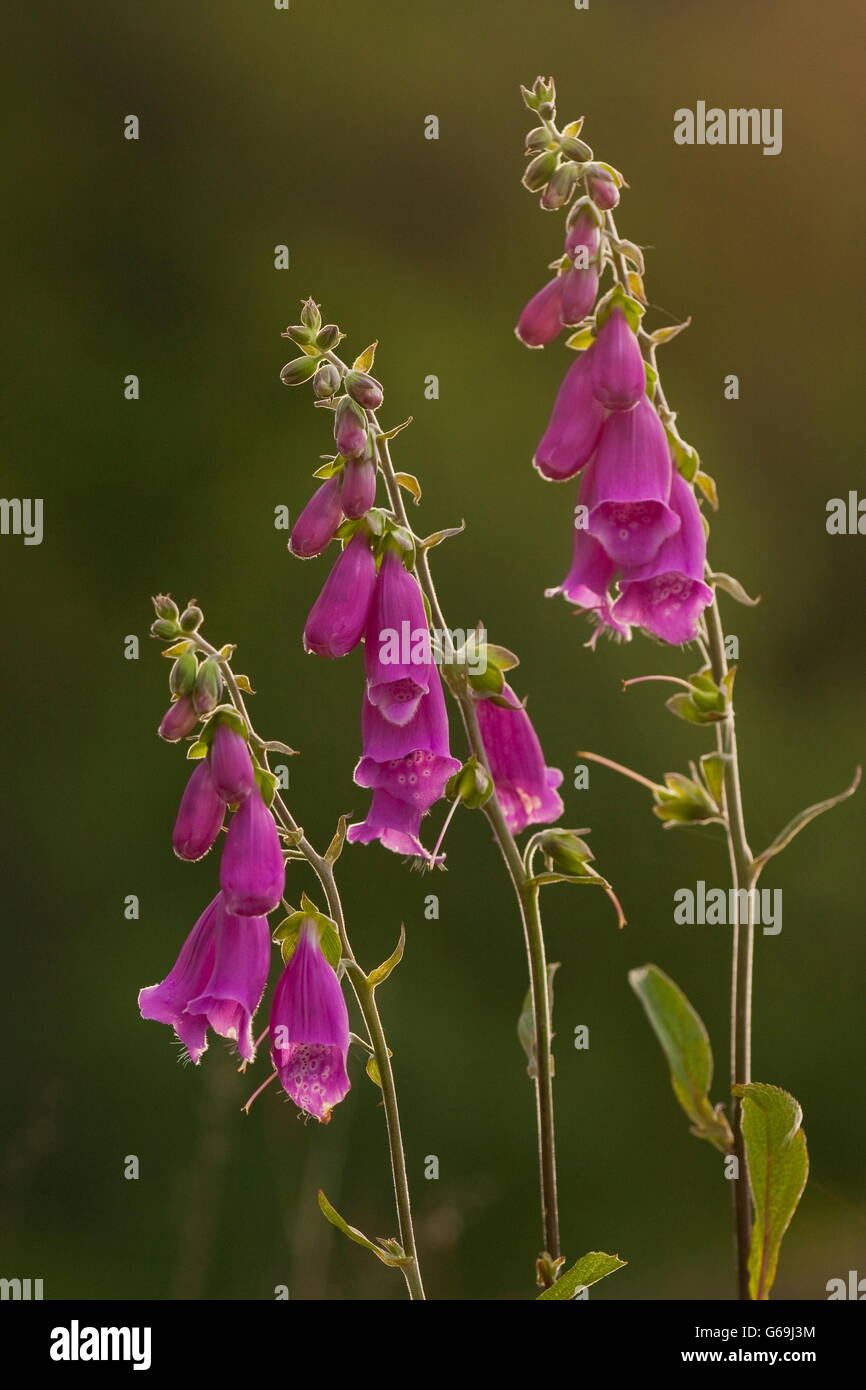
[(407, 767), (350, 427), (318, 523), (199, 816), (582, 230), (588, 580), (252, 869), (338, 618), (397, 649), (359, 487), (604, 192), (579, 292), (617, 368), (525, 786), (179, 720), (231, 766), (217, 980), (309, 1029), (628, 486), (540, 320), (575, 424), (667, 595)]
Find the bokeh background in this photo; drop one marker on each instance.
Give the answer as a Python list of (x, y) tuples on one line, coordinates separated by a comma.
[(305, 127)]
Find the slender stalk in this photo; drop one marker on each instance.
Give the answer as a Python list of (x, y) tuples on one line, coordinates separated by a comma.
[(365, 995), (525, 891), (740, 855)]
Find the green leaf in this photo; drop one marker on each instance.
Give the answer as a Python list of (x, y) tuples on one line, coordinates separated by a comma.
[(198, 750), (392, 1256), (364, 361), (439, 536), (713, 773), (335, 848), (500, 656), (372, 1070), (288, 931), (382, 971), (588, 1270), (684, 707), (178, 649), (582, 339), (411, 484), (778, 1164), (686, 1046), (490, 681), (733, 587), (526, 1021), (707, 486), (799, 822), (664, 335)]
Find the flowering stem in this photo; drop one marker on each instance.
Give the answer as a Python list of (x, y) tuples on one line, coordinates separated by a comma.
[(525, 891), (364, 993), (742, 866)]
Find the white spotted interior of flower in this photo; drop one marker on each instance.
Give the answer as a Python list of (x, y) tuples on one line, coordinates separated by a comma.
[(628, 516), (411, 773), (671, 590), (306, 1073)]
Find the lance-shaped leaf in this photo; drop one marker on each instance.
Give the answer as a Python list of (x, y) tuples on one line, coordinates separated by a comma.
[(778, 1164), (526, 1021), (391, 1255), (411, 484), (799, 822), (382, 971), (588, 1270), (733, 587), (686, 1045)]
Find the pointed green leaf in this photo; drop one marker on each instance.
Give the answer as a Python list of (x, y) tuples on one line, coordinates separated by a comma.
[(393, 1256), (800, 821), (733, 587), (382, 971), (778, 1164), (411, 484), (683, 1037), (588, 1270), (526, 1021), (364, 361)]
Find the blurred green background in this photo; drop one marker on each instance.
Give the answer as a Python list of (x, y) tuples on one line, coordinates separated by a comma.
[(261, 127)]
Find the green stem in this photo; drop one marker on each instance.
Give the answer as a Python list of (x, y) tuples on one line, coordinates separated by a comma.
[(364, 994)]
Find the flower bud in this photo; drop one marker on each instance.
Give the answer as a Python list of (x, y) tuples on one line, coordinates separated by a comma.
[(364, 389), (300, 370), (310, 316), (338, 618), (231, 766), (298, 334), (539, 322), (565, 852), (208, 686), (359, 487), (199, 817), (603, 191), (537, 139), (617, 369), (191, 618), (547, 110), (179, 720), (350, 427), (582, 230), (579, 291), (560, 188), (318, 523), (164, 628), (326, 382), (165, 607), (471, 785), (539, 171), (328, 337), (574, 148), (252, 869), (183, 673)]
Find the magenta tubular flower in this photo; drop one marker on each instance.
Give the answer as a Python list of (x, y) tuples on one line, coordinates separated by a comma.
[(218, 980), (350, 428), (234, 989), (668, 595), (407, 766), (309, 1029), (339, 616), (575, 424), (359, 488), (584, 231), (199, 816), (579, 292), (179, 720), (588, 580), (628, 486), (540, 322), (525, 787), (618, 375), (397, 651), (231, 766), (318, 523), (252, 869)]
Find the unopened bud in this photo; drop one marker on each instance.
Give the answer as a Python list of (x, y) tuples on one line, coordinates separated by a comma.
[(208, 686), (575, 149), (310, 316), (298, 334), (164, 606), (537, 139), (547, 110), (179, 720), (328, 337), (164, 628), (183, 673), (191, 618), (326, 382), (565, 852), (364, 389), (538, 171), (300, 370), (350, 427), (603, 191), (471, 785), (560, 187)]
